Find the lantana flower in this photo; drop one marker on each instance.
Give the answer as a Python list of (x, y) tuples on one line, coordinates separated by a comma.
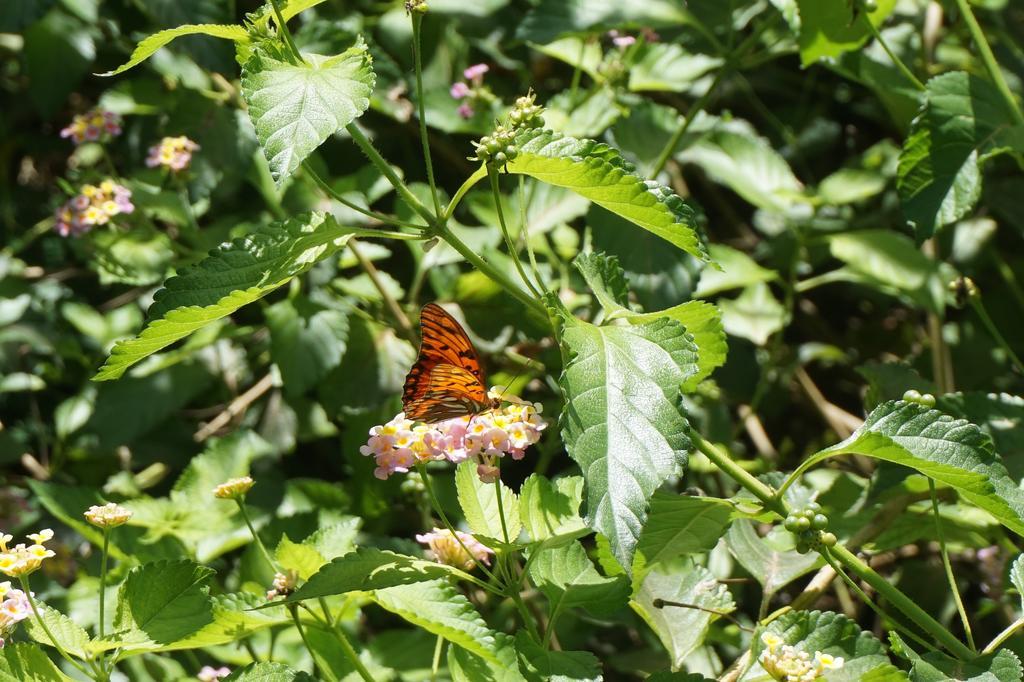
[(787, 664), (284, 584), (472, 93), (23, 559), (234, 488), (14, 608), (210, 674), (173, 153), (110, 515), (621, 40), (93, 205), (94, 126), (447, 549), (401, 444)]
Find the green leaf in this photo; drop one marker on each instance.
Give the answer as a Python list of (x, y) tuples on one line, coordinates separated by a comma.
[(551, 509), (1017, 577), (605, 277), (367, 569), (149, 45), (307, 340), (235, 617), (828, 28), (162, 602), (1003, 666), (1000, 415), (829, 633), (964, 121), (233, 275), (703, 322), (681, 524), (737, 270), (69, 635), (748, 165), (681, 630), (23, 662), (296, 107), (539, 663), (622, 421), (268, 672), (139, 257), (951, 451), (479, 502), (597, 172), (668, 67), (568, 579), (551, 19), (851, 185), (298, 557), (465, 666), (891, 259), (439, 607), (755, 315), (771, 560)]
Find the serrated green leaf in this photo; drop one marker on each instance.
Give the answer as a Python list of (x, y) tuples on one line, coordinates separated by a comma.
[(748, 165), (703, 322), (539, 663), (828, 28), (963, 122), (551, 509), (755, 315), (439, 607), (234, 618), (232, 276), (139, 257), (850, 185), (568, 579), (681, 629), (1003, 666), (681, 524), (772, 559), (267, 671), (1017, 577), (24, 662), (597, 172), (465, 666), (622, 422), (479, 502), (829, 633), (69, 635), (151, 44), (606, 279), (301, 558), (737, 270), (296, 107), (951, 451), (668, 67), (162, 602), (367, 569)]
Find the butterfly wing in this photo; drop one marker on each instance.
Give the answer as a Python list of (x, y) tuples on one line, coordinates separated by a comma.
[(451, 392), (446, 381)]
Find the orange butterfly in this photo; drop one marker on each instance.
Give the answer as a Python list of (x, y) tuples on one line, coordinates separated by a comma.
[(446, 381)]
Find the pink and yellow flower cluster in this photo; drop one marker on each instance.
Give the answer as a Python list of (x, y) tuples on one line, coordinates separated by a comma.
[(173, 153), (447, 548), (23, 559), (94, 126), (401, 444), (94, 205), (473, 92), (14, 608)]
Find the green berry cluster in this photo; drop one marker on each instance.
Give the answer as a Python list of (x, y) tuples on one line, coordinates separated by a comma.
[(526, 113), (498, 147), (924, 399), (808, 525)]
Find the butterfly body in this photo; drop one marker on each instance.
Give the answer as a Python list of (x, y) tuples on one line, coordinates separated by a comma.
[(446, 381)]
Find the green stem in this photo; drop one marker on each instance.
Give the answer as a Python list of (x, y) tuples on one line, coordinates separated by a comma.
[(525, 229), (385, 168), (1006, 272), (417, 20), (255, 535), (478, 175), (1003, 636), (435, 666), (324, 670), (346, 646), (907, 73), (39, 619), (949, 566), (989, 59), (979, 309), (492, 175), (103, 578), (768, 497), (35, 232), (282, 26), (491, 271), (902, 602), (331, 192), (577, 73)]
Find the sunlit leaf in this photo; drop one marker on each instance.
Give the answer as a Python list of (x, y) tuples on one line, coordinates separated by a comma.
[(149, 45)]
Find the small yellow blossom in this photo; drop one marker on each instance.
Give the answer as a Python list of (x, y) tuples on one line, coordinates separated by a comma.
[(234, 488), (448, 550), (21, 559), (109, 515), (786, 663)]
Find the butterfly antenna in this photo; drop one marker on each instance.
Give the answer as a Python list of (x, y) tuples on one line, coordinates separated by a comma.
[(504, 389)]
